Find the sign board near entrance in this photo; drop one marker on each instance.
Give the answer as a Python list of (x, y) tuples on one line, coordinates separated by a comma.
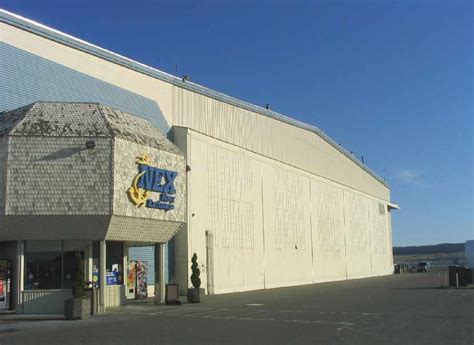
[(152, 179)]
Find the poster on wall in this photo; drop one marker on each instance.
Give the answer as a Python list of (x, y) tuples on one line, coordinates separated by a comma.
[(5, 272), (131, 279), (142, 275)]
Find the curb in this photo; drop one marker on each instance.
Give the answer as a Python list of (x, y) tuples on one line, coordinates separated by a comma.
[(17, 317)]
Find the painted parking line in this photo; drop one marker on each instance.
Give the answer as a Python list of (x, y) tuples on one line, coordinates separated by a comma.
[(337, 323), (170, 311), (341, 319), (250, 315), (214, 313), (197, 312)]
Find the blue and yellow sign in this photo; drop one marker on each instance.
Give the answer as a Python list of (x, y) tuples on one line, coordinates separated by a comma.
[(152, 179)]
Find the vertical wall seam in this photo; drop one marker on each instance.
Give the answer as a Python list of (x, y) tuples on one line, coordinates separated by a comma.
[(370, 240), (263, 228), (188, 184), (311, 229), (345, 228)]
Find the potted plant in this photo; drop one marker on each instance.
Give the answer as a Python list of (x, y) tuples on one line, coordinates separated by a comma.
[(194, 293), (78, 307)]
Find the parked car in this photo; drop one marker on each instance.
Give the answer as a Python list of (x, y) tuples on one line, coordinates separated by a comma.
[(424, 267), (405, 267), (400, 268)]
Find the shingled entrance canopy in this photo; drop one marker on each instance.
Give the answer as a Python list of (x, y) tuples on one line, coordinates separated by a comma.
[(66, 171)]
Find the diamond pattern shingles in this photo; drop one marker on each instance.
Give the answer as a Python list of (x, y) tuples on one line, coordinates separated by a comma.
[(137, 130), (72, 119)]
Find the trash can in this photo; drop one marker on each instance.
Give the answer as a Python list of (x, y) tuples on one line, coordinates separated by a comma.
[(93, 295), (463, 278), (470, 276), (452, 275), (172, 294), (464, 275)]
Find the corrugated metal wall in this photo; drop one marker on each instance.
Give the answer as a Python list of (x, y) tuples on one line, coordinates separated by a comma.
[(272, 138), (27, 78), (147, 254)]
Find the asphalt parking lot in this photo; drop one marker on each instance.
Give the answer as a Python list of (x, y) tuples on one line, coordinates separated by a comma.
[(407, 309)]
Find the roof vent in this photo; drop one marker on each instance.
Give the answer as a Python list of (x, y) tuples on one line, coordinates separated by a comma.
[(186, 78)]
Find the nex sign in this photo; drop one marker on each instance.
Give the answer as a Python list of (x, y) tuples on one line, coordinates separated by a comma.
[(156, 179), (152, 179)]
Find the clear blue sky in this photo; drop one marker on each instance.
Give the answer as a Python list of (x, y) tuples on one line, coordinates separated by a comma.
[(392, 81)]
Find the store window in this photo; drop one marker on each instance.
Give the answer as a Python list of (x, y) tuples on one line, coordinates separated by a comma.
[(51, 264), (114, 263), (43, 261), (70, 248)]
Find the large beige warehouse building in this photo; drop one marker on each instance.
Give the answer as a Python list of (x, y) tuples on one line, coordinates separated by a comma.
[(270, 201)]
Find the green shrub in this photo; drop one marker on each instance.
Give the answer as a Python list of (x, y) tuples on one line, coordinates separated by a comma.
[(79, 282), (195, 280)]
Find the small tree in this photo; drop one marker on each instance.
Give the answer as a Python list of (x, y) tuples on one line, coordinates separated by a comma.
[(195, 280), (79, 282)]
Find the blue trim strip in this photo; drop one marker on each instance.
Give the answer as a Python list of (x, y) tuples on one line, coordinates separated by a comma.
[(115, 58)]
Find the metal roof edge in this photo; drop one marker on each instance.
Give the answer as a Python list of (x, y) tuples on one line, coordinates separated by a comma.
[(76, 43), (394, 206)]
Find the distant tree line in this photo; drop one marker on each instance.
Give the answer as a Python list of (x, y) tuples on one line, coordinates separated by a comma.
[(445, 248)]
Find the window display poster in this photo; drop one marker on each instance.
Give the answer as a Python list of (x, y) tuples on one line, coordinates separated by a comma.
[(132, 274), (4, 284), (142, 273), (3, 292)]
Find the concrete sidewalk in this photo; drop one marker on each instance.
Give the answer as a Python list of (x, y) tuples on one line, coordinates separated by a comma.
[(12, 316)]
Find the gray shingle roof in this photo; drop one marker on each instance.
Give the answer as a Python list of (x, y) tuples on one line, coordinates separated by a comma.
[(9, 119), (64, 119)]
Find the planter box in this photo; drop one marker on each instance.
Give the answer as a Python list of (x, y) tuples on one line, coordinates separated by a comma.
[(194, 295), (77, 309)]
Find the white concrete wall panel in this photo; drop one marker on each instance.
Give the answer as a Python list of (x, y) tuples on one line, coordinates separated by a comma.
[(327, 224), (288, 247), (379, 238), (357, 228), (181, 257), (275, 225), (225, 201), (389, 240)]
